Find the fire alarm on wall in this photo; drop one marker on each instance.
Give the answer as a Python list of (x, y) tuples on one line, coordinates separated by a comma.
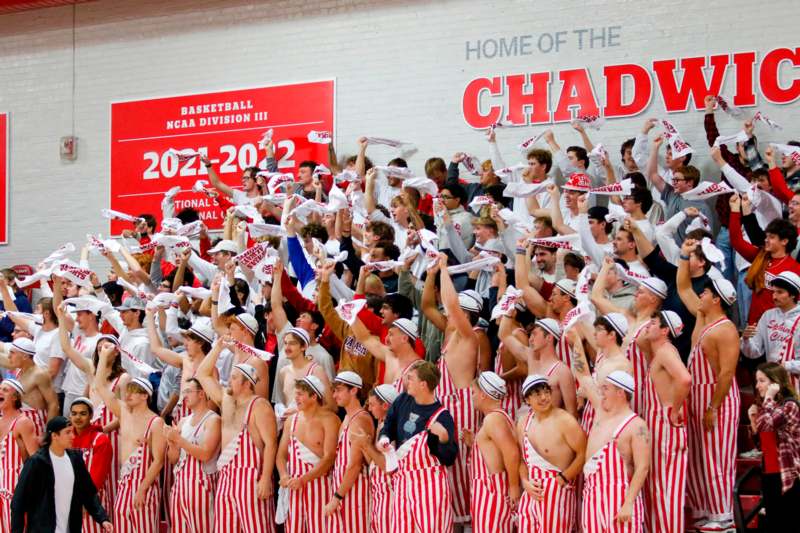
[(69, 148)]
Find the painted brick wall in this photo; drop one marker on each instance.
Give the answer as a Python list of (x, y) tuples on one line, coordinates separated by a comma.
[(400, 68)]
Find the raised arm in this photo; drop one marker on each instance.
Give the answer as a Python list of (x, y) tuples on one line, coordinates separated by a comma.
[(652, 165), (455, 314), (205, 374), (517, 348), (684, 281), (522, 264), (555, 211), (279, 317), (101, 383), (598, 295), (429, 307), (214, 177), (82, 363), (372, 343), (168, 356)]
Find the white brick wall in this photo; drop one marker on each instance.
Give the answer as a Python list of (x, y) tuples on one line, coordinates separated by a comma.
[(400, 72)]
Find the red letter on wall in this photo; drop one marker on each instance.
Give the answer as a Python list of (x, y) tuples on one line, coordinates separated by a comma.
[(471, 102), (576, 92), (693, 83), (642, 90), (745, 94), (518, 100), (770, 76)]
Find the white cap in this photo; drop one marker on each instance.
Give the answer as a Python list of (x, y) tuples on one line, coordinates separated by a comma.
[(86, 303), (618, 322), (16, 385), (248, 321), (493, 385), (316, 385), (567, 285), (470, 300), (724, 290), (408, 328), (132, 302), (387, 393), (83, 400), (203, 329), (225, 245), (531, 381), (24, 345), (549, 325), (249, 372), (301, 333), (673, 321), (623, 380), (656, 286), (348, 377), (145, 384), (790, 278)]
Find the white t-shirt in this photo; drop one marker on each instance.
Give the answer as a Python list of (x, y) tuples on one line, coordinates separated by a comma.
[(48, 345), (64, 483), (74, 379)]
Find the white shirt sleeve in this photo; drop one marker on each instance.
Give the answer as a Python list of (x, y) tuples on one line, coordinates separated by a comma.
[(664, 237), (756, 346), (589, 245), (202, 268), (494, 154)]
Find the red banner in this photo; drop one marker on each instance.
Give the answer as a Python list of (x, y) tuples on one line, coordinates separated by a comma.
[(227, 126), (4, 185)]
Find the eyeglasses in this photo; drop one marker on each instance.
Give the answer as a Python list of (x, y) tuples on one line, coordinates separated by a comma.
[(678, 179), (447, 197)]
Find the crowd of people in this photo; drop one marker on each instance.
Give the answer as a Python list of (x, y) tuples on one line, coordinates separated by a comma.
[(552, 346)]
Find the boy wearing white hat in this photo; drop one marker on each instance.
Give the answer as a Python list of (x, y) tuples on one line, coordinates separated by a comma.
[(243, 498), (618, 460), (398, 353), (306, 455), (40, 402), (347, 509), (553, 447), (295, 348), (495, 459), (648, 300), (713, 407), (18, 441), (457, 365), (141, 450), (540, 357), (243, 329), (666, 388)]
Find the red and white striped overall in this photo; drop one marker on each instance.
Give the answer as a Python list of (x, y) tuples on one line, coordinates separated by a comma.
[(639, 363), (191, 501), (352, 514), (564, 350), (11, 463), (787, 353), (88, 523), (37, 416), (712, 454), (380, 501), (556, 512), (512, 401), (306, 504), (237, 507), (422, 501), (604, 485), (103, 416), (465, 416), (127, 518), (491, 512), (398, 383), (665, 486)]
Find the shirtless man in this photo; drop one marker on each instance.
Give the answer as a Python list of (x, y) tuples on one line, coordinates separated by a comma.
[(606, 343), (295, 344), (713, 408), (306, 454), (647, 300), (457, 365), (243, 501), (618, 460), (495, 459), (243, 328), (666, 388), (196, 342), (398, 353), (39, 403), (141, 450), (553, 448), (18, 441), (540, 356), (193, 447), (347, 509)]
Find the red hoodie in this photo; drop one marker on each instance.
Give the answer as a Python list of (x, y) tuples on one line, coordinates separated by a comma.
[(99, 462)]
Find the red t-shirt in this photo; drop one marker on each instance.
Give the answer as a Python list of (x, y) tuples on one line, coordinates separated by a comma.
[(101, 457)]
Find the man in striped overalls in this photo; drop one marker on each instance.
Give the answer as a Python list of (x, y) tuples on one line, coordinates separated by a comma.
[(494, 460), (193, 447), (348, 504), (618, 460), (39, 403), (713, 408), (17, 442), (416, 443)]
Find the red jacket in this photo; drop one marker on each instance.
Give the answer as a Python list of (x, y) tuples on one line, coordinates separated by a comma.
[(101, 453), (780, 190)]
